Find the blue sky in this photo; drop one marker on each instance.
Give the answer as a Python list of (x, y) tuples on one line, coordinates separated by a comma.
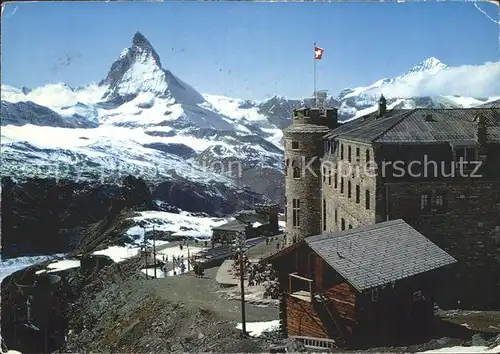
[(243, 49)]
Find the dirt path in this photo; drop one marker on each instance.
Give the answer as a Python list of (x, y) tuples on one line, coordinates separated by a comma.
[(195, 293)]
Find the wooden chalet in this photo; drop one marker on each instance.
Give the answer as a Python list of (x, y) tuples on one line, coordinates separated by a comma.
[(367, 285), (263, 221)]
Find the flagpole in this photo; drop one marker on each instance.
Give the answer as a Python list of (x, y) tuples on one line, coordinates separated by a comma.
[(314, 72)]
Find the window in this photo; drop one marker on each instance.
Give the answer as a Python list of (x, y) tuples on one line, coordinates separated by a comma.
[(296, 172), (324, 174), (342, 224), (295, 212), (287, 164), (349, 157), (367, 155), (330, 177), (341, 151), (295, 145), (367, 199), (375, 294), (342, 185), (437, 200), (336, 184), (350, 226), (466, 154), (358, 194), (424, 201), (336, 216), (349, 191), (324, 214), (358, 153), (432, 202), (496, 237)]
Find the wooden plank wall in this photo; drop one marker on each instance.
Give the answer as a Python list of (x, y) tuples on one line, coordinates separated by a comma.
[(302, 319), (342, 299)]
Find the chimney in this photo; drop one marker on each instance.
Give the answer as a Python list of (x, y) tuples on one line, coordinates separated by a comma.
[(332, 118), (382, 106)]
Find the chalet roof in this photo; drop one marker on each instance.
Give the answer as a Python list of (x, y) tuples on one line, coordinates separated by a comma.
[(379, 254), (242, 220), (411, 126), (251, 217), (234, 225)]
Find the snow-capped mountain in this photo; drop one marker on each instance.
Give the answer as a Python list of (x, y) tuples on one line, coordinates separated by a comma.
[(139, 70), (431, 66), (143, 120), (421, 86), (140, 119)]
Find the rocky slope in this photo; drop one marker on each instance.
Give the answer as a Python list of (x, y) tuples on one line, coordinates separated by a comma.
[(44, 216)]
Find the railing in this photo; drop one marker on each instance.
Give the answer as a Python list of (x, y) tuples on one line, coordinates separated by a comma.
[(295, 276), (316, 343)]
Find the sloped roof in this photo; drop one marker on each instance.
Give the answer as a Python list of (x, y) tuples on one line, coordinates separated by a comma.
[(379, 254), (411, 126), (360, 123), (234, 225), (242, 220), (251, 217)]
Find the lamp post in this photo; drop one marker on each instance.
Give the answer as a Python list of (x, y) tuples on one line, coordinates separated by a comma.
[(145, 251), (154, 250), (239, 245), (188, 260)]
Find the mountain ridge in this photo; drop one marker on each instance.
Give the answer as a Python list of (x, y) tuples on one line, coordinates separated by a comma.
[(143, 119)]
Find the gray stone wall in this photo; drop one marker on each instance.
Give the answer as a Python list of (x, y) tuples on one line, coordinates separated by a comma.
[(357, 173), (465, 228), (307, 188)]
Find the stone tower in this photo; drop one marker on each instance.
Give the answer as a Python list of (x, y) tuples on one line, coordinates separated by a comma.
[(304, 143)]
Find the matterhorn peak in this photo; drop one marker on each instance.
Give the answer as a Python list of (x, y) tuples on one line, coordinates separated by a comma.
[(138, 69), (140, 41)]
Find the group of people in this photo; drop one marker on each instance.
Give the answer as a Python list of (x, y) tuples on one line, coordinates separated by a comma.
[(199, 272), (282, 241), (259, 273), (177, 262)]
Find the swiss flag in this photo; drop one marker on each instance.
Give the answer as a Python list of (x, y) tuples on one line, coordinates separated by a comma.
[(318, 52)]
